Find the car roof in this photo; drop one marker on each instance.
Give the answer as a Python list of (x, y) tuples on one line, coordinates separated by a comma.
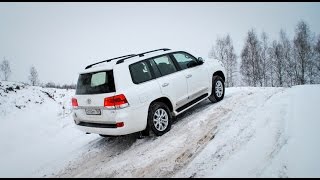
[(135, 58)]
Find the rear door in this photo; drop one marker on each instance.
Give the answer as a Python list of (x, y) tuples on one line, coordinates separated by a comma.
[(91, 90), (173, 84)]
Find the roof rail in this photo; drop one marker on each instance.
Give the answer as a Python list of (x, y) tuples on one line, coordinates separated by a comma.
[(108, 60), (122, 60), (126, 57), (163, 49), (141, 54)]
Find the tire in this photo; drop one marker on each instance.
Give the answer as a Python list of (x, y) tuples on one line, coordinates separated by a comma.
[(217, 86), (159, 118)]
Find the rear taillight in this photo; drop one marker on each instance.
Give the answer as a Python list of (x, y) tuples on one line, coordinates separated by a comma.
[(118, 101), (74, 102)]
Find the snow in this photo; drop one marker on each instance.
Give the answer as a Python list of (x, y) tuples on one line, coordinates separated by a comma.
[(276, 138), (253, 132), (304, 145), (246, 141), (40, 135)]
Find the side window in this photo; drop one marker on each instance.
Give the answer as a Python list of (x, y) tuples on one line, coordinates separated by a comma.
[(140, 72), (184, 60), (165, 65)]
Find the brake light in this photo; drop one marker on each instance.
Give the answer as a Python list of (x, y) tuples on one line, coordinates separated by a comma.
[(74, 102), (118, 101)]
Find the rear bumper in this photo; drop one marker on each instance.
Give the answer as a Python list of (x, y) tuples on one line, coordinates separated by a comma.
[(107, 130), (134, 120)]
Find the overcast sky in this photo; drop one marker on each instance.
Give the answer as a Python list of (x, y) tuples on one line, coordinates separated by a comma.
[(60, 39)]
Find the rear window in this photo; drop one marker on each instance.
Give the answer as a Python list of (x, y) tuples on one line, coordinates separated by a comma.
[(96, 83)]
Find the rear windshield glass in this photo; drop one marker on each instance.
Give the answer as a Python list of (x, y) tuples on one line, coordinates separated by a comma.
[(96, 83)]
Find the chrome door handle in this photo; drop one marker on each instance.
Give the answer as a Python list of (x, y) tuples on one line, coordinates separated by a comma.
[(189, 76), (165, 84)]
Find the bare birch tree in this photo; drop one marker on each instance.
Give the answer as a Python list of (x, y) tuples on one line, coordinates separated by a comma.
[(224, 52), (303, 53), (278, 63), (33, 77), (5, 69), (287, 58), (265, 59), (250, 60)]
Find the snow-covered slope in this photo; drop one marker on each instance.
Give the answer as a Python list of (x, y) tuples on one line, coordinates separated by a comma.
[(267, 135), (36, 130), (253, 132)]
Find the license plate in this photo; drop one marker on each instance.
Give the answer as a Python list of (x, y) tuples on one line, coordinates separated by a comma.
[(93, 111)]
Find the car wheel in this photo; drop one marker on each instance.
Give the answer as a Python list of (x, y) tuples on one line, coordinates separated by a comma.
[(159, 118), (218, 89)]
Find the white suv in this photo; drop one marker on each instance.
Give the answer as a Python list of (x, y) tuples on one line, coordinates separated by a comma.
[(143, 92)]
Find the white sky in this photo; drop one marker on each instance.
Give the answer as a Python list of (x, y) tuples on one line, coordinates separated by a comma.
[(60, 39)]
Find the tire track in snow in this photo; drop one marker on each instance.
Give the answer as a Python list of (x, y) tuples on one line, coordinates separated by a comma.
[(180, 157)]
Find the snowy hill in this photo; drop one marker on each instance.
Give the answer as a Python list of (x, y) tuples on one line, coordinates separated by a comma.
[(36, 129), (253, 132)]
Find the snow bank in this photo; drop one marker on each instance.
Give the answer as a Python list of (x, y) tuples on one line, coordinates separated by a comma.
[(36, 130), (277, 138), (303, 145)]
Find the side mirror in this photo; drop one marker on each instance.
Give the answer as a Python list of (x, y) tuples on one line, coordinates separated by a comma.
[(200, 60)]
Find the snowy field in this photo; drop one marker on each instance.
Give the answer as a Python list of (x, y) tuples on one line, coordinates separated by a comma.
[(253, 132)]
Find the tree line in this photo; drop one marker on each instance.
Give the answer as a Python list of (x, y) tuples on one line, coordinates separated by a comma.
[(33, 77), (281, 63)]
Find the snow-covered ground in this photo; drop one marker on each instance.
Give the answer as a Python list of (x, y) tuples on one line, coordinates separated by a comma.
[(37, 133), (253, 132)]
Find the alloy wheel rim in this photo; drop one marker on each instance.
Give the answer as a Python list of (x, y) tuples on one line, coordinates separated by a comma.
[(219, 89), (160, 119)]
